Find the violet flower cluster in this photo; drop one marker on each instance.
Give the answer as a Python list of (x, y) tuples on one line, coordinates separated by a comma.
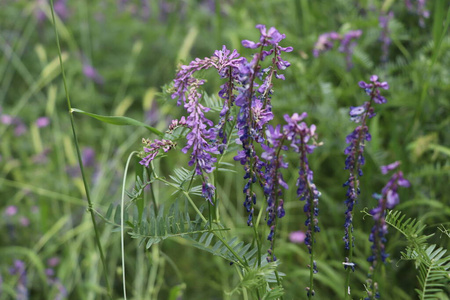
[(356, 140), (388, 199), (347, 42)]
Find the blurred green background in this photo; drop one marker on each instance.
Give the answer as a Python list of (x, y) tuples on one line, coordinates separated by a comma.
[(120, 55)]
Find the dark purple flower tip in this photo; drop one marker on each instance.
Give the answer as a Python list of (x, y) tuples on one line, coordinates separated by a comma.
[(250, 44), (390, 167)]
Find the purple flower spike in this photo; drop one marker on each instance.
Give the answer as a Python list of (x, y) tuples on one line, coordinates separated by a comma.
[(356, 140), (387, 200)]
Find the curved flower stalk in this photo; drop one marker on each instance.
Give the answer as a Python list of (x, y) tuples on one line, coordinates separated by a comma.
[(388, 199), (355, 160)]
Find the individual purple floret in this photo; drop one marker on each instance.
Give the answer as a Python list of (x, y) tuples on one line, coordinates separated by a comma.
[(325, 42), (385, 39), (387, 200), (356, 140), (348, 43)]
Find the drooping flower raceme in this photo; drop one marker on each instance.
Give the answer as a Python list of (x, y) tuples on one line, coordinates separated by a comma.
[(255, 105), (355, 158), (299, 136), (388, 199), (202, 129), (302, 140)]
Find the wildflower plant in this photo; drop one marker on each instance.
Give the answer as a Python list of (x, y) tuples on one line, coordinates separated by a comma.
[(355, 160), (246, 111)]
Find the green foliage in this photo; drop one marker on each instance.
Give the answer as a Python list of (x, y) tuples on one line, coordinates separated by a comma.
[(430, 260)]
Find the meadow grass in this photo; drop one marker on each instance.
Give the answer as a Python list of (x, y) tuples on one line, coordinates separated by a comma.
[(135, 56)]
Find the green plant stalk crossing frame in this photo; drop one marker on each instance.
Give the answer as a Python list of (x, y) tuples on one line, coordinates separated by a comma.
[(86, 187)]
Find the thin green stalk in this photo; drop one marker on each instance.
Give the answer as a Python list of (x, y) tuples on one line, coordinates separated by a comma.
[(86, 187), (122, 242)]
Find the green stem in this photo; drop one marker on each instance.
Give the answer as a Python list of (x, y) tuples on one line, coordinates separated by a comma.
[(122, 240), (86, 187)]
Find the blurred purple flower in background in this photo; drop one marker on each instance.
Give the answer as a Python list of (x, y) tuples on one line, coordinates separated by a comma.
[(348, 43), (60, 7), (385, 39), (19, 269), (325, 42), (297, 237), (418, 8), (19, 129), (11, 210), (42, 122), (91, 73)]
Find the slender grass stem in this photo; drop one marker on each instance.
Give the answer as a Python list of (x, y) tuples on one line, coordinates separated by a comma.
[(86, 187), (122, 242)]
